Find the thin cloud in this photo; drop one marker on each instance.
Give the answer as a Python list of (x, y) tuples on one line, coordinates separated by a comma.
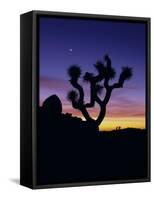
[(52, 82)]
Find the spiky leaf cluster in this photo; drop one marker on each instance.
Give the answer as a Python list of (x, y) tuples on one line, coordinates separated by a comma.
[(72, 95), (88, 76), (74, 72), (126, 74)]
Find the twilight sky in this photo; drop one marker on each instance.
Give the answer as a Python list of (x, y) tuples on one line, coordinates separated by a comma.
[(64, 42)]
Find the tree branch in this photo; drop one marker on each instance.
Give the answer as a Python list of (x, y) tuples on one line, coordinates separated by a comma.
[(79, 104)]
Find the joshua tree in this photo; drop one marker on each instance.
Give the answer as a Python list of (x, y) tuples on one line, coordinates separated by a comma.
[(98, 83)]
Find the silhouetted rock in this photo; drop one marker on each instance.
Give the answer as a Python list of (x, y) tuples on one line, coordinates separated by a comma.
[(52, 106), (72, 149)]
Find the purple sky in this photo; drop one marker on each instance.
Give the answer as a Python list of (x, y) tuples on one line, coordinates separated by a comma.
[(64, 42)]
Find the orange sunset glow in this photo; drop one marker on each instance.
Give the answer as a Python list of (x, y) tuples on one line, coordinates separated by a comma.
[(126, 107), (110, 123), (123, 112)]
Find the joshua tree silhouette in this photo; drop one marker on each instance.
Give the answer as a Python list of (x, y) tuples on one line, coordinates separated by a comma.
[(97, 83)]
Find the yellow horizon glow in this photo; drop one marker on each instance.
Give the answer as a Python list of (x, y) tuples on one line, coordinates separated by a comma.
[(110, 123)]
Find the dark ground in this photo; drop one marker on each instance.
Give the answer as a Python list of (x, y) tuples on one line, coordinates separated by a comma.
[(71, 150)]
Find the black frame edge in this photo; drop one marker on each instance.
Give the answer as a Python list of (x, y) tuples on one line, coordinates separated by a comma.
[(87, 15), (148, 94), (26, 100)]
